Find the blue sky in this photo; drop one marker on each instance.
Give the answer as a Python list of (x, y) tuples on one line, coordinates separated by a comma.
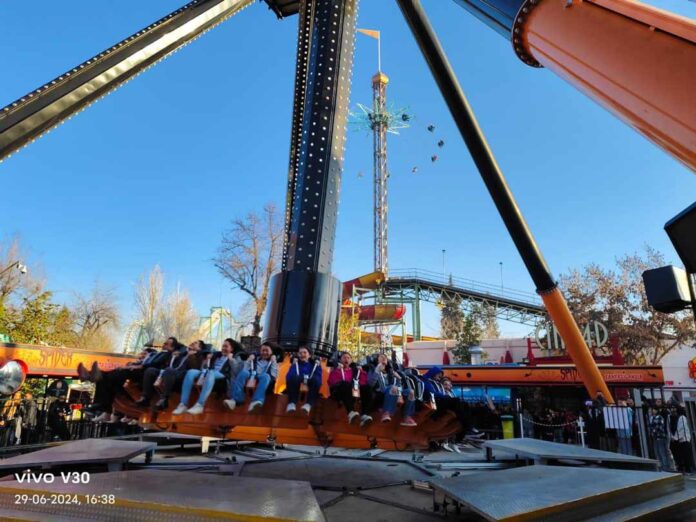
[(155, 171)]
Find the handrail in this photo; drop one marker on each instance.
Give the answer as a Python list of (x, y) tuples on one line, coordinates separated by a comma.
[(451, 281)]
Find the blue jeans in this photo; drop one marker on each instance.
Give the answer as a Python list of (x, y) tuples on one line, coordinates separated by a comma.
[(625, 445), (262, 382), (389, 404), (190, 379)]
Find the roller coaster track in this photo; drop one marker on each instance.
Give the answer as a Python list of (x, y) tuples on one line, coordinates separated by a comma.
[(423, 285)]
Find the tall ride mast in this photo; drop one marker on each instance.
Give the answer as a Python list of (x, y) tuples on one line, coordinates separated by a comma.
[(379, 120)]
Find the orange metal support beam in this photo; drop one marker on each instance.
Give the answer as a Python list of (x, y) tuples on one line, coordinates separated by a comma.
[(637, 61)]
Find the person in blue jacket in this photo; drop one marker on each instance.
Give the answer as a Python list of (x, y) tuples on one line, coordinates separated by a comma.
[(446, 401), (303, 371)]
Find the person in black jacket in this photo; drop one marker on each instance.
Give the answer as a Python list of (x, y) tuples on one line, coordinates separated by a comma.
[(167, 377), (217, 366), (111, 382), (58, 412)]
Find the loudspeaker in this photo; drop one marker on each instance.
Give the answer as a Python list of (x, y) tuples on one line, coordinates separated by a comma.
[(667, 289), (681, 230)]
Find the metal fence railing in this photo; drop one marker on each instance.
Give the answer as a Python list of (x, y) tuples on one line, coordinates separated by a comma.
[(22, 424), (660, 433)]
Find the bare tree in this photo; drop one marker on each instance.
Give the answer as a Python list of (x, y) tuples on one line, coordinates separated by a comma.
[(148, 301), (13, 281), (177, 317), (249, 254), (95, 316)]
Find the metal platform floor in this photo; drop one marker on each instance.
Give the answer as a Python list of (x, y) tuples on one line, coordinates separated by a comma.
[(556, 492), (180, 496), (112, 454), (544, 452), (343, 485)]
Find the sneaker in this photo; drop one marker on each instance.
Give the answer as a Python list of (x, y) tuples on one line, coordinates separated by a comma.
[(254, 405), (126, 419), (365, 420), (196, 409), (181, 408), (142, 401), (230, 403), (162, 404), (114, 418), (95, 374), (291, 407), (82, 372), (386, 417), (475, 434), (456, 449), (446, 446), (352, 416), (409, 422), (133, 422), (306, 408), (104, 417)]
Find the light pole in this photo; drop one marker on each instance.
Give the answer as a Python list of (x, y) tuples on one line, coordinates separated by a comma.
[(444, 276), (18, 265), (502, 287)]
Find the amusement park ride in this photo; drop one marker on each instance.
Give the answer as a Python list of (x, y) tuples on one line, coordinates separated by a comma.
[(635, 60)]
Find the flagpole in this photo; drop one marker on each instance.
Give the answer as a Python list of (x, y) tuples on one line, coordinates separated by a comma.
[(379, 53)]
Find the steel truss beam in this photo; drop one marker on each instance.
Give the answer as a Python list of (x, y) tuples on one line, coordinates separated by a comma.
[(507, 309)]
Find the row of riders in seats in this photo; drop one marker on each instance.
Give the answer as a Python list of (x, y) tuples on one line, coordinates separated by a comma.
[(376, 384)]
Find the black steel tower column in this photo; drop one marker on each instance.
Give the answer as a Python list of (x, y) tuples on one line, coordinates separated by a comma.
[(305, 298)]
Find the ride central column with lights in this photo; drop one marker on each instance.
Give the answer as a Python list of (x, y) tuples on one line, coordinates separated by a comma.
[(305, 298)]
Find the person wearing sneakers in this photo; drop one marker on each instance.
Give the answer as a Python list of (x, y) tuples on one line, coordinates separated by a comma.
[(303, 371), (389, 388), (440, 389), (217, 367), (411, 391), (347, 383), (164, 379), (260, 372), (109, 383)]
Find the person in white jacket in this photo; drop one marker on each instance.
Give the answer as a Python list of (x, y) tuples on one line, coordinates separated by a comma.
[(681, 438)]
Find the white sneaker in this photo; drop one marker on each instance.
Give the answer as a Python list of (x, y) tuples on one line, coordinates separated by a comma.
[(365, 420), (446, 446), (306, 408), (125, 419), (181, 408), (352, 416), (196, 409), (103, 417), (230, 403), (456, 449), (114, 418), (254, 405), (291, 407), (133, 422)]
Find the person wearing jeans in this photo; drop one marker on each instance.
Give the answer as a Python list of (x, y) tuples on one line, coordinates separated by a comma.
[(660, 436), (218, 366), (388, 385), (303, 370), (262, 370)]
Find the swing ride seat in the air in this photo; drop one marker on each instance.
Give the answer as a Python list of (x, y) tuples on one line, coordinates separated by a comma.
[(326, 425)]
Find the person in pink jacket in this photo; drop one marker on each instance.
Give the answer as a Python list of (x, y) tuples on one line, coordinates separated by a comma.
[(347, 383)]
